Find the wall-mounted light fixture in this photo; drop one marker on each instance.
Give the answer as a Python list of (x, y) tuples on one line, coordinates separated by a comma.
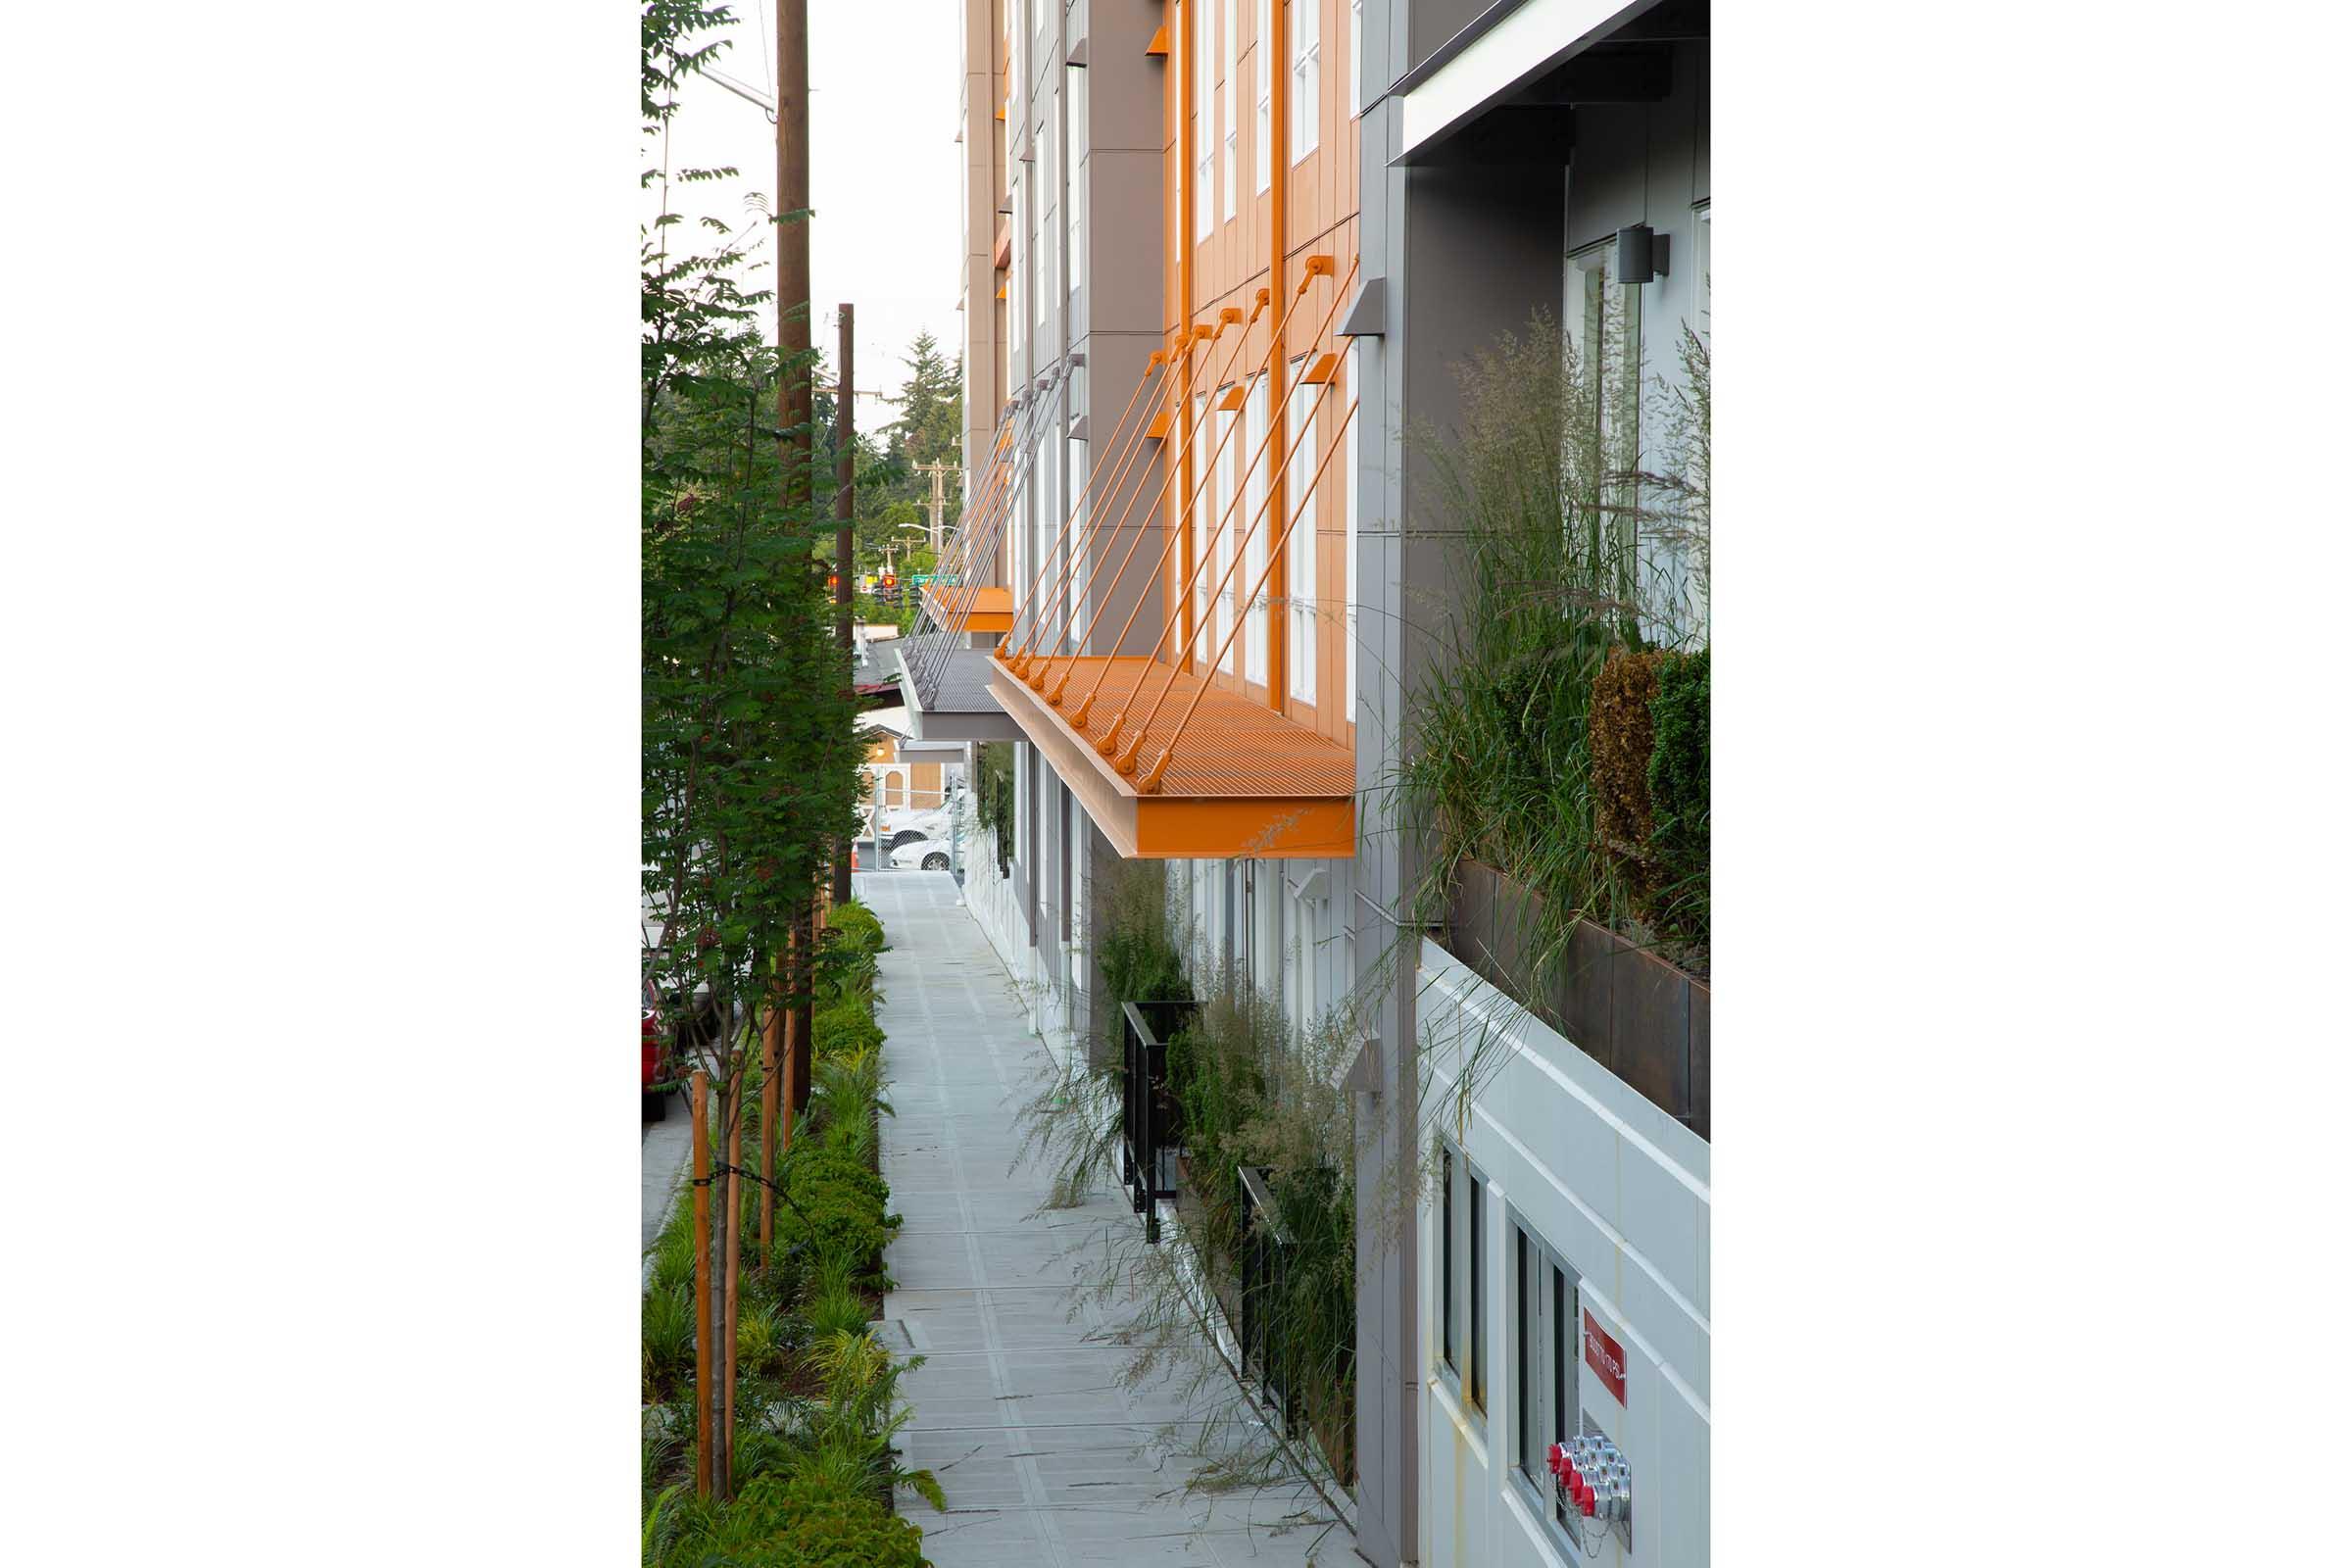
[(1640, 254)]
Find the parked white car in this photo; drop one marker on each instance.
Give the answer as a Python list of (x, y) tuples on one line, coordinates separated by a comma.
[(924, 855), (903, 827)]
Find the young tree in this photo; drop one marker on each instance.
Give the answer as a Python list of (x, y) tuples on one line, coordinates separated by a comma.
[(749, 755)]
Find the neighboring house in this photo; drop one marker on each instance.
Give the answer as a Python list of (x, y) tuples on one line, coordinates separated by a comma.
[(1221, 256), (903, 773)]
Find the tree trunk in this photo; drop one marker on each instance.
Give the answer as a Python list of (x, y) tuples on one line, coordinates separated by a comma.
[(802, 1004), (703, 1337)]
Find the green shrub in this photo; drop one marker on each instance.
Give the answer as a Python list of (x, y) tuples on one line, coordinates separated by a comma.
[(858, 928), (667, 1324), (1677, 777), (803, 1520), (757, 1338), (837, 1311), (837, 1208), (847, 1026), (673, 1249)]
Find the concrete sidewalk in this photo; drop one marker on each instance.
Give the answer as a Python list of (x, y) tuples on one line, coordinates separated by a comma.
[(663, 1151), (1046, 1461)]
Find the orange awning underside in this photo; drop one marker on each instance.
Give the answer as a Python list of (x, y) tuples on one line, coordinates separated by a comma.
[(969, 608), (1243, 781)]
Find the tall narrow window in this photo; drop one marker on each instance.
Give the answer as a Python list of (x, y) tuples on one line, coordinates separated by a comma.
[(1073, 490), (1016, 306), (1074, 163), (1352, 481), (1355, 58), (1262, 41), (1043, 177), (1298, 554), (1476, 1385), (1306, 73), (1564, 1338), (1255, 520), (1226, 93), (1446, 1281), (1204, 514), (1527, 1308), (1204, 137), (1230, 519)]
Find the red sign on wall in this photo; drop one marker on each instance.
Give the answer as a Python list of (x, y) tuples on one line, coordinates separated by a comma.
[(1605, 1356)]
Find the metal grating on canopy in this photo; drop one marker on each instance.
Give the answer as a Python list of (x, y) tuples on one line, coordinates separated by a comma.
[(1243, 779)]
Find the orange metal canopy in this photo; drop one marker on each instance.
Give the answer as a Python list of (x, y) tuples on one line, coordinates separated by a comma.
[(969, 608), (1244, 781)]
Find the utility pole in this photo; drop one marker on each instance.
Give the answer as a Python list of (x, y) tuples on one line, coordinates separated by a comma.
[(845, 516), (938, 504)]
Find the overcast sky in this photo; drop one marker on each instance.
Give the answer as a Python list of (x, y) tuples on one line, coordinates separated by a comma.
[(884, 77)]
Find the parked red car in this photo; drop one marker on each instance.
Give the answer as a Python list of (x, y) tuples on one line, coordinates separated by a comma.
[(656, 1057)]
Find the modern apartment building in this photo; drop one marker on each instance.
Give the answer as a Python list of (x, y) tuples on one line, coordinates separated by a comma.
[(1223, 260)]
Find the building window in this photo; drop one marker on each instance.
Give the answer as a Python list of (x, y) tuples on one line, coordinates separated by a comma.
[(1016, 306), (1075, 144), (1230, 85), (1073, 488), (1352, 482), (1355, 58), (1229, 518), (1603, 320), (1452, 1340), (1253, 561), (1204, 135), (1204, 511), (1477, 1389), (1547, 1339), (1043, 168), (1300, 554), (1262, 41), (1306, 72), (1461, 1275)]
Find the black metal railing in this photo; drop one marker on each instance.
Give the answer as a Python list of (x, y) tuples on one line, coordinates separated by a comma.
[(1305, 1399), (1152, 1125)]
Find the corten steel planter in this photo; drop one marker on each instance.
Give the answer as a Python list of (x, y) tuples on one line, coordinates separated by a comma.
[(1628, 1009), (1150, 1123)]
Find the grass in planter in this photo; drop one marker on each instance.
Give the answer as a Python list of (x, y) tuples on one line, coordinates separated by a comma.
[(668, 1328), (1507, 760)]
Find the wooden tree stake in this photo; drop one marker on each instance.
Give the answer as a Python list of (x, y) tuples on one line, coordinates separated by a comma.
[(727, 1386)]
